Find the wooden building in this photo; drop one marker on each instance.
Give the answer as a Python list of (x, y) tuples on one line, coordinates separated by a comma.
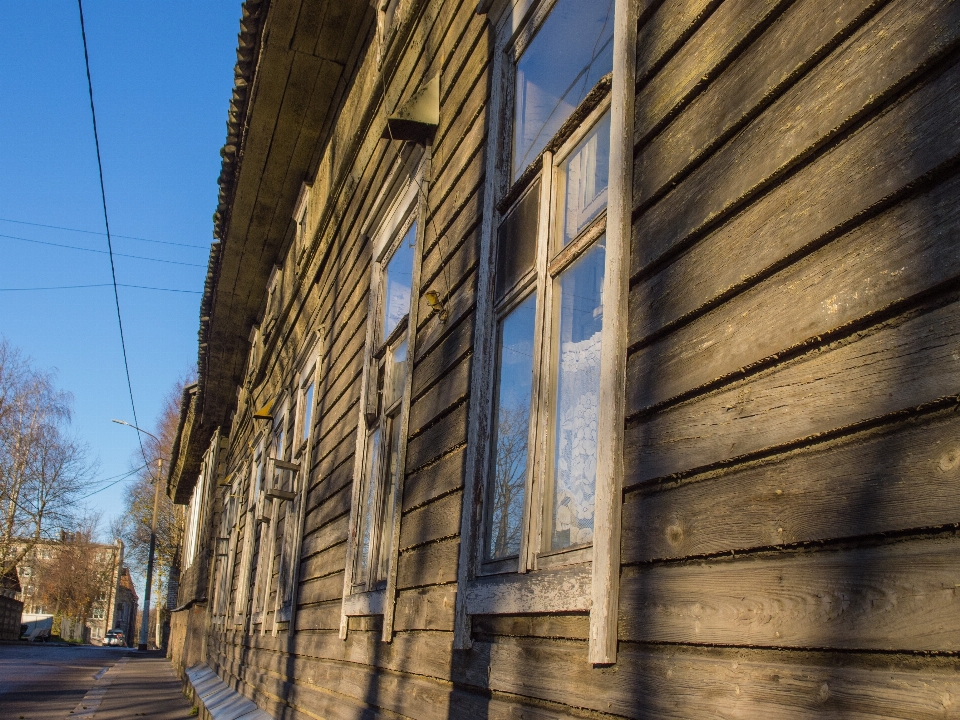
[(580, 359)]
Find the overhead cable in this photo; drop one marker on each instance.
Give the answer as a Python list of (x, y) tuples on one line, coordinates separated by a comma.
[(102, 252), (106, 222), (97, 232)]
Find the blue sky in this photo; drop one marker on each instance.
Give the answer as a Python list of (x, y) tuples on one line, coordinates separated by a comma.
[(162, 77)]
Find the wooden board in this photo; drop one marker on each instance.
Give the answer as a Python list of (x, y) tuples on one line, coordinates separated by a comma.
[(876, 166), (892, 258), (887, 481), (900, 596), (890, 369), (822, 104)]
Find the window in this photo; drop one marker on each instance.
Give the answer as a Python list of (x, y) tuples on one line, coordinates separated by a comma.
[(97, 614), (274, 300), (551, 311), (378, 472), (272, 477), (251, 530), (297, 483), (381, 422), (300, 223)]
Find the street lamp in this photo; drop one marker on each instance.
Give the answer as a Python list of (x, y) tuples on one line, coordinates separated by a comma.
[(144, 632)]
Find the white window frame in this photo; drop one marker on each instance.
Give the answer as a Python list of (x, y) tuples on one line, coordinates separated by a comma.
[(267, 514), (286, 598), (593, 583), (252, 506), (300, 224), (405, 210), (274, 301), (229, 534)]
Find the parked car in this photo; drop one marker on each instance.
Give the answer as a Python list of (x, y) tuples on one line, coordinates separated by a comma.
[(115, 638)]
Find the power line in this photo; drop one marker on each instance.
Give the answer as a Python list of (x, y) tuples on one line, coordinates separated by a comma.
[(102, 252), (106, 222), (77, 287), (95, 232), (121, 478)]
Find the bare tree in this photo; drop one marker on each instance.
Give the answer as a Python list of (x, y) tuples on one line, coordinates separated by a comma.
[(134, 525), (77, 575), (42, 468), (510, 467)]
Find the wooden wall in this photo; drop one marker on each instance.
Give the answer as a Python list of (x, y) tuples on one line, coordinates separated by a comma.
[(792, 461), (792, 458)]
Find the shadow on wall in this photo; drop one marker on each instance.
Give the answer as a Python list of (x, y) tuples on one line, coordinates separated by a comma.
[(829, 542)]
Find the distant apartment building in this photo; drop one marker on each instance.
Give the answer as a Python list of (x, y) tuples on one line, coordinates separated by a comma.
[(84, 585)]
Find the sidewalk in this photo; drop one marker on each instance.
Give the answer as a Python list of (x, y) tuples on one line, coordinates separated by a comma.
[(140, 685)]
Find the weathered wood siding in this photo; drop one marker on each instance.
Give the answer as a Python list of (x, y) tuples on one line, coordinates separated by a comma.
[(791, 452), (792, 463)]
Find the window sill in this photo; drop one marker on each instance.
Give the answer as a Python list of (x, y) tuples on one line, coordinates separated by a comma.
[(566, 589), (366, 603)]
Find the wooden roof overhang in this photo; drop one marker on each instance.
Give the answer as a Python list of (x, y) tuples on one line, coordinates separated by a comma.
[(293, 65)]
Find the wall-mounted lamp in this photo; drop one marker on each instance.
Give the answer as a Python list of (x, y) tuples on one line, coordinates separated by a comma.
[(436, 304)]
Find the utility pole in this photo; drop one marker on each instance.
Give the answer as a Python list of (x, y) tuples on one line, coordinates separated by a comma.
[(145, 621)]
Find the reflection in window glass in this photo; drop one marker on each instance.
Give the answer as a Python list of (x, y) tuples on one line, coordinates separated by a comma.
[(307, 411), (397, 282), (386, 527), (369, 502), (571, 51), (398, 375), (579, 322), (585, 177), (505, 514)]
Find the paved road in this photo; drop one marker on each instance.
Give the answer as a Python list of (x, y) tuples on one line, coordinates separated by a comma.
[(41, 682)]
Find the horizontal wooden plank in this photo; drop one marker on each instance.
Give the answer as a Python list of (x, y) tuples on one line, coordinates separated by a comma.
[(315, 590), (575, 626), (458, 305), (894, 367), (452, 388), (903, 37), (434, 480), (899, 254), (888, 154), (719, 39), (467, 105), (901, 596), (444, 355), (337, 505), (438, 440), (895, 479), (432, 564), (323, 563), (666, 30), (319, 539), (677, 683), (462, 227), (436, 520), (425, 609), (801, 37)]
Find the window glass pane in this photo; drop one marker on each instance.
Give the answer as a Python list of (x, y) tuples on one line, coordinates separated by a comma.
[(368, 507), (398, 367), (571, 51), (397, 282), (307, 411), (517, 240), (579, 322), (585, 178), (509, 471), (386, 527)]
